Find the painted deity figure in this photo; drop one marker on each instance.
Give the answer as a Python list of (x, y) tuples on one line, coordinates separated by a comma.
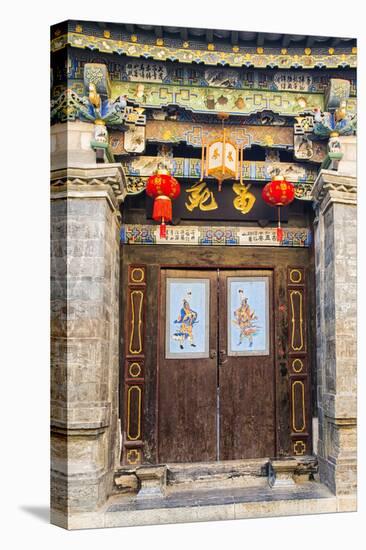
[(245, 318), (187, 318)]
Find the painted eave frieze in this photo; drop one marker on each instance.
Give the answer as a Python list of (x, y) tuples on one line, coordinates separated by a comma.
[(268, 58)]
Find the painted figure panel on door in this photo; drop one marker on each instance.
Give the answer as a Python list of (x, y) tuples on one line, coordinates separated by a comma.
[(187, 317), (248, 327)]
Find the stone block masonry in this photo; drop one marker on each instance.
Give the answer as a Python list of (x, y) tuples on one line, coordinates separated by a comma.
[(84, 337), (335, 244)]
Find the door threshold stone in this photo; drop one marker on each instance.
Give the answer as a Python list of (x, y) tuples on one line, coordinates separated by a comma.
[(159, 479)]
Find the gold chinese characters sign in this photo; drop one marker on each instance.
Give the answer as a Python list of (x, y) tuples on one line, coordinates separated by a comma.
[(201, 196), (236, 201)]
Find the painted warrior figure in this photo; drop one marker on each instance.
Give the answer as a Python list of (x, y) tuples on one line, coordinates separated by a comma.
[(187, 318), (245, 319)]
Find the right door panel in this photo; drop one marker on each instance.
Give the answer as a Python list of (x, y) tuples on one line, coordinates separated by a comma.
[(247, 427)]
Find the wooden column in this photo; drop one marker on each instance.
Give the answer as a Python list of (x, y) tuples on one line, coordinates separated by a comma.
[(298, 363), (134, 367)]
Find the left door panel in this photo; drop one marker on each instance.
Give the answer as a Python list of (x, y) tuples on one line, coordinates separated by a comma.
[(187, 366)]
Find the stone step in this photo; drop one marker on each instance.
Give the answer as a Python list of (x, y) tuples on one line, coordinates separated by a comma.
[(248, 471), (216, 504)]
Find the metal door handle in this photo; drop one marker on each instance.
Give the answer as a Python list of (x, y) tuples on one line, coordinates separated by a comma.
[(222, 361), (213, 353)]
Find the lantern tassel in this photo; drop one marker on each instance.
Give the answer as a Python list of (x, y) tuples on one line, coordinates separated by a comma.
[(279, 234), (162, 209), (279, 228), (163, 229)]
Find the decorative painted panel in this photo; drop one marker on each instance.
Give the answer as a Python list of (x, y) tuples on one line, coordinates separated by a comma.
[(299, 385), (145, 166), (214, 236), (197, 75), (134, 365), (196, 134), (248, 316), (302, 177), (140, 168), (226, 100), (187, 318)]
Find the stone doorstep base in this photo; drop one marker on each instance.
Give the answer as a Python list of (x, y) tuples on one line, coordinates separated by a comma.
[(153, 480), (313, 498), (281, 473)]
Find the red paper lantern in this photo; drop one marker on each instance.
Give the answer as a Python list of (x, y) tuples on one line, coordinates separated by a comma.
[(278, 192), (163, 188)]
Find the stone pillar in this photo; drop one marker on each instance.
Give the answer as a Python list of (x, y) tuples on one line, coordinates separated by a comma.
[(335, 195), (84, 336)]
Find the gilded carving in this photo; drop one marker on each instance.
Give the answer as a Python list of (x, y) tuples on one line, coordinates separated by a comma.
[(244, 201), (297, 365), (133, 456), (200, 196), (295, 276), (298, 397), (297, 338), (137, 390), (134, 370), (299, 448), (136, 322), (137, 275)]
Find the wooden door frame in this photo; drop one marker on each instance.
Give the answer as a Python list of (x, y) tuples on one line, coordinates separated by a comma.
[(154, 259)]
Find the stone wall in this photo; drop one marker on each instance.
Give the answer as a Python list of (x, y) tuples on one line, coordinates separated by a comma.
[(84, 347), (336, 312), (84, 337)]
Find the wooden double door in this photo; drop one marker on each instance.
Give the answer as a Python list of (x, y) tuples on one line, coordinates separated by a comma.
[(216, 365)]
